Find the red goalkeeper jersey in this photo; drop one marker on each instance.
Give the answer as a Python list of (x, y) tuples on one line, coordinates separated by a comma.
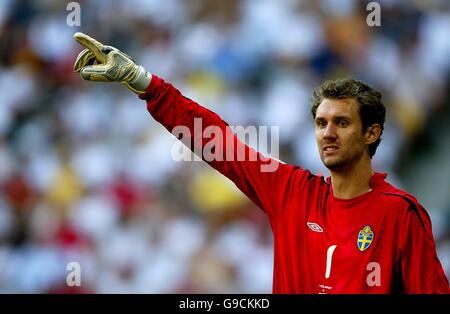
[(378, 242)]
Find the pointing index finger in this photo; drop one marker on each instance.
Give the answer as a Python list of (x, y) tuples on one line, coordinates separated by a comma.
[(90, 43)]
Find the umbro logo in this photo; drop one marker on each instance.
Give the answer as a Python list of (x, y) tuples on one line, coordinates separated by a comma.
[(314, 227)]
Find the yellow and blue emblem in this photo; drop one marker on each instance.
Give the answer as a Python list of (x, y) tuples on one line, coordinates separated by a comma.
[(365, 238)]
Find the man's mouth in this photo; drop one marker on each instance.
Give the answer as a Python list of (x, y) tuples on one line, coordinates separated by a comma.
[(330, 149)]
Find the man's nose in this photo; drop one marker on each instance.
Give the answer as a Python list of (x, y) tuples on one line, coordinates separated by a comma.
[(330, 131)]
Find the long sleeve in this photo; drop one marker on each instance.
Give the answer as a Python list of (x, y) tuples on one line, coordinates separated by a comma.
[(264, 180), (421, 269)]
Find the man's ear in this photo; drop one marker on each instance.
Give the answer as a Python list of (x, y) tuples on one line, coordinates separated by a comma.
[(372, 133)]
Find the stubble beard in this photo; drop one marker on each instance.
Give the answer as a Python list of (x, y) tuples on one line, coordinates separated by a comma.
[(342, 163)]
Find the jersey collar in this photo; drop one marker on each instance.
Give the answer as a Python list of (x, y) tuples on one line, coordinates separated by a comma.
[(376, 181)]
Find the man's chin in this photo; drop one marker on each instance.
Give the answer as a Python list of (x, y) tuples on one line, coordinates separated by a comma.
[(333, 163)]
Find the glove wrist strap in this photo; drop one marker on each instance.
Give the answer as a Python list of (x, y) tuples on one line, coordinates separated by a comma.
[(142, 81)]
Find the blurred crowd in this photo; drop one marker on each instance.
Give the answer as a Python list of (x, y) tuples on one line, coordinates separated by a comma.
[(86, 175)]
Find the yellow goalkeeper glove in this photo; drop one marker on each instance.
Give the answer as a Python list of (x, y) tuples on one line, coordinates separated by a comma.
[(112, 65)]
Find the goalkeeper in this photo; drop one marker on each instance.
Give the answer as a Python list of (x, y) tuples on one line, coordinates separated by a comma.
[(349, 233)]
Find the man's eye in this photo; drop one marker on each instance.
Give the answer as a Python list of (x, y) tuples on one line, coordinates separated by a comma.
[(320, 124), (343, 123)]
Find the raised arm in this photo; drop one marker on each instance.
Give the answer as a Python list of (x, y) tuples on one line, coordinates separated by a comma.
[(266, 181)]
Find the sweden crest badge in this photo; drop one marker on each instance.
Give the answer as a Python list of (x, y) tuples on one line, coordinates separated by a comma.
[(365, 238)]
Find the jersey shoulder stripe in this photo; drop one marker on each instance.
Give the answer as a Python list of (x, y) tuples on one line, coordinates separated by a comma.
[(412, 205), (411, 202)]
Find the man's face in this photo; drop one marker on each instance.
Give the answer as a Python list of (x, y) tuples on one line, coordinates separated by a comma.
[(339, 135)]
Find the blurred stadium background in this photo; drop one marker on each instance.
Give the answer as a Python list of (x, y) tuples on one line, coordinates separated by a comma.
[(86, 175)]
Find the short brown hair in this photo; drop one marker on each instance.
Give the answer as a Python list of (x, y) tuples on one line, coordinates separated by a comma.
[(371, 108)]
